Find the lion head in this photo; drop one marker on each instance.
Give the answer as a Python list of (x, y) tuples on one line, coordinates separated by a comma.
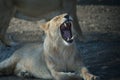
[(60, 27)]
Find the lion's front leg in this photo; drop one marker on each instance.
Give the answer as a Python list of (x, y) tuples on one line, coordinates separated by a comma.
[(7, 11), (24, 74), (88, 76), (63, 75), (58, 74)]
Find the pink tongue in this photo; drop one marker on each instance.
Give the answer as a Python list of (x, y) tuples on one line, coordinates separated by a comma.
[(67, 34)]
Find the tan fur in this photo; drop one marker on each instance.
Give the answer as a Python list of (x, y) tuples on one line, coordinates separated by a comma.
[(51, 60), (34, 10)]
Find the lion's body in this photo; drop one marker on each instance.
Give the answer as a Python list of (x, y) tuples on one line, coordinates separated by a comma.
[(34, 10), (29, 59), (52, 59)]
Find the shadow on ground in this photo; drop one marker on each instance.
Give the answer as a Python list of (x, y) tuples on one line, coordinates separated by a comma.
[(102, 55)]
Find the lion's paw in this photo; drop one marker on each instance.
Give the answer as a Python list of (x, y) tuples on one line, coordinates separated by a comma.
[(89, 76), (25, 74)]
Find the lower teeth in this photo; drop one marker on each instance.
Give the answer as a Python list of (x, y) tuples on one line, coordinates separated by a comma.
[(68, 39)]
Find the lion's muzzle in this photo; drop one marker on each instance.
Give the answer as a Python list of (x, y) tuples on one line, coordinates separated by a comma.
[(66, 30)]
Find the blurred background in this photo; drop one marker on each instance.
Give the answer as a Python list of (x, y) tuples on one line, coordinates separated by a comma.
[(99, 2), (100, 23)]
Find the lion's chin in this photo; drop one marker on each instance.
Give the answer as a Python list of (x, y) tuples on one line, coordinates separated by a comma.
[(66, 43)]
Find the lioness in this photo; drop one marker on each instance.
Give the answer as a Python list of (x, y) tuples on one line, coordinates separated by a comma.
[(34, 10), (57, 58)]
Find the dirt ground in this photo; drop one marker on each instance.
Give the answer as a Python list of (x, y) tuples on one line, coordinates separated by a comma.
[(101, 27)]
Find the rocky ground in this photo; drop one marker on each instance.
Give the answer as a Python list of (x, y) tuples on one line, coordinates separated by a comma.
[(101, 27)]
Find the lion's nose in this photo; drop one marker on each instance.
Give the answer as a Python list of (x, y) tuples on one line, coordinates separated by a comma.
[(66, 16)]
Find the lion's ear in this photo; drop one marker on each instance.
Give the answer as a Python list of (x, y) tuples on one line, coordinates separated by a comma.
[(45, 26)]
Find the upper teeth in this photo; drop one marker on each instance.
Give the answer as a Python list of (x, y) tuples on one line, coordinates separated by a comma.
[(65, 24), (70, 39)]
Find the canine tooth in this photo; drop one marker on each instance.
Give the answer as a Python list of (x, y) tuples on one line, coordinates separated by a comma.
[(72, 37), (68, 39), (65, 24)]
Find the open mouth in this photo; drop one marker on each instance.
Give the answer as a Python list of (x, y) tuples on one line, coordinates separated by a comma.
[(66, 31)]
